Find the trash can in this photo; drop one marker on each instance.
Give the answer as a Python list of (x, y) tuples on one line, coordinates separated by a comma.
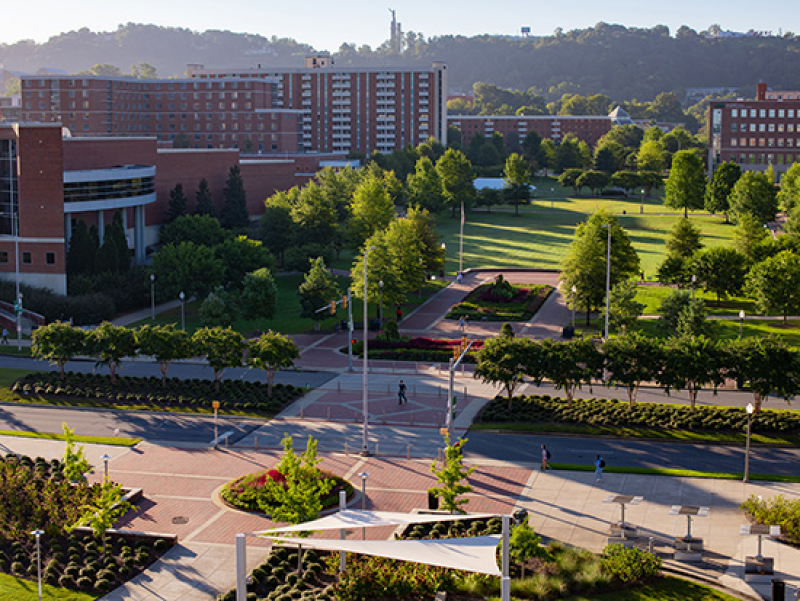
[(568, 332), (433, 501), (778, 590)]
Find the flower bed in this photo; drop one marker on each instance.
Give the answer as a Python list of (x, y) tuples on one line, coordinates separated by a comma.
[(34, 494), (437, 350), (242, 492), (614, 413), (148, 392), (520, 303)]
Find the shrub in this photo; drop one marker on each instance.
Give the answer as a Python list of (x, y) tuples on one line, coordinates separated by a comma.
[(777, 511), (102, 585), (84, 582), (629, 565), (66, 581)]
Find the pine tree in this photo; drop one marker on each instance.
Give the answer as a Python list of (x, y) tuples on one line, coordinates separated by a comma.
[(205, 206), (234, 212), (117, 231), (107, 257), (177, 204), (80, 256)]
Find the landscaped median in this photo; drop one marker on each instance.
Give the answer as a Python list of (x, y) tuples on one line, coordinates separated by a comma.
[(601, 417), (501, 301)]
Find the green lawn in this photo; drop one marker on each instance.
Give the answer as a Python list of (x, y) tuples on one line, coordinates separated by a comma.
[(652, 297), (667, 588), (27, 590)]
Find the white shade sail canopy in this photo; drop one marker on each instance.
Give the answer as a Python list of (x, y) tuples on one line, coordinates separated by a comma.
[(471, 554)]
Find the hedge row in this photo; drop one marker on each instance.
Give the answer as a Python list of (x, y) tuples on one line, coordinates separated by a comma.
[(82, 310), (615, 413), (236, 394)]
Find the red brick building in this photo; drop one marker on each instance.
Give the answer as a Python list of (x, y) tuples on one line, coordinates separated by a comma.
[(756, 133), (514, 128)]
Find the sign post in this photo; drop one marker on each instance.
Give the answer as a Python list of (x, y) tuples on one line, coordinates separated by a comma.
[(215, 405)]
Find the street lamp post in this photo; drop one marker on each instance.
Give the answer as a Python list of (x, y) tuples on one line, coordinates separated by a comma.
[(182, 296), (608, 276), (750, 409), (38, 534), (741, 323), (365, 370), (641, 207), (18, 310), (694, 281), (152, 296), (444, 261), (105, 459), (380, 313), (364, 476), (461, 241), (574, 301)]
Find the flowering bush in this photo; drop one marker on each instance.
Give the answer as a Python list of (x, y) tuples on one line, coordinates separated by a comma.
[(506, 303)]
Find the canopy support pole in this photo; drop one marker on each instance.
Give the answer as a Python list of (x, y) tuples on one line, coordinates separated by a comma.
[(505, 588)]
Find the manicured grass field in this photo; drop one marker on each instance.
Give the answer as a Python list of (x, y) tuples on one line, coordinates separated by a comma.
[(652, 297), (27, 590)]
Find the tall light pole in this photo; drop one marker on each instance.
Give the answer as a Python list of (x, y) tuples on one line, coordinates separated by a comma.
[(444, 261), (750, 409), (641, 207), (741, 323), (18, 310), (608, 277), (694, 281), (574, 302), (380, 313), (152, 296), (182, 296), (38, 534), (364, 371), (461, 241), (18, 303), (364, 476), (106, 457)]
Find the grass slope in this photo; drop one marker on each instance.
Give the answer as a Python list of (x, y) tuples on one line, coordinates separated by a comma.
[(27, 590), (667, 588)]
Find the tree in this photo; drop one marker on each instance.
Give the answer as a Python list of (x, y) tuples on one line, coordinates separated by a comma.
[(517, 177), (650, 180), (604, 159), (222, 347), (314, 215), (594, 180), (451, 476), (106, 260), (372, 210), (568, 154), (259, 295), (117, 233), (271, 352), (627, 180), (571, 363), (298, 496), (177, 203), (547, 155), (501, 361), (218, 309), (82, 250), (754, 194), (58, 342), (103, 511), (750, 237), (112, 344), (721, 270), (684, 239), (775, 284), (789, 194), (424, 186), (143, 71), (768, 365), (276, 227), (682, 314), (720, 187), (202, 230), (75, 464), (205, 204), (675, 270), (165, 344), (187, 268), (690, 364), (585, 264), (318, 289), (234, 210), (240, 256), (569, 179), (456, 175), (624, 309), (686, 183), (531, 147), (650, 156), (631, 359), (423, 225), (524, 544)]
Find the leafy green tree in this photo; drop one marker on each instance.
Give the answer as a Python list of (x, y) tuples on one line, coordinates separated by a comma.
[(604, 159), (719, 189), (276, 227), (202, 230), (651, 180), (754, 194), (423, 225), (547, 155), (650, 156), (165, 344), (525, 544), (517, 176), (103, 511), (58, 342), (531, 147), (501, 361), (684, 239), (205, 204), (318, 289), (594, 180), (456, 175), (570, 364), (259, 295), (585, 264), (768, 365), (80, 256), (424, 186), (675, 270), (775, 284), (624, 309), (569, 179), (218, 309), (240, 256), (222, 348), (627, 180), (187, 268), (631, 359), (314, 215), (682, 314), (74, 460), (789, 194), (234, 211), (721, 270), (568, 154), (451, 477), (750, 236), (692, 363), (112, 344), (143, 71), (299, 497), (372, 210), (271, 352), (177, 203), (686, 184)]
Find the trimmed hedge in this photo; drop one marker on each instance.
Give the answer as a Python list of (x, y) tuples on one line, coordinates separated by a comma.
[(83, 310), (602, 412), (233, 394), (416, 349)]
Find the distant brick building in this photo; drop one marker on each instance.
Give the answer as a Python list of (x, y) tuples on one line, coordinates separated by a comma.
[(515, 127)]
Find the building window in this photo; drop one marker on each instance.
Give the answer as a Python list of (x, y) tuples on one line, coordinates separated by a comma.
[(771, 113), (734, 112), (50, 258), (26, 258), (3, 257), (762, 113), (733, 141)]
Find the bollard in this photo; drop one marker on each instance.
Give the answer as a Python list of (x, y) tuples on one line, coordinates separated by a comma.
[(376, 450), (226, 442), (256, 442), (408, 451), (650, 544), (345, 448), (301, 412)]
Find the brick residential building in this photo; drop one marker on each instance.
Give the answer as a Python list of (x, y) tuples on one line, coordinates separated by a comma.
[(515, 127)]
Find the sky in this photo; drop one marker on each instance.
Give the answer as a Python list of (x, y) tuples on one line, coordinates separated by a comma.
[(325, 25)]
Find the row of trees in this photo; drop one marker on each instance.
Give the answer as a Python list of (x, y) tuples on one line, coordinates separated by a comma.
[(222, 348), (689, 363), (234, 213)]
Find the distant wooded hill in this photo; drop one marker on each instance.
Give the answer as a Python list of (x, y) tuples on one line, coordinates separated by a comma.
[(622, 63)]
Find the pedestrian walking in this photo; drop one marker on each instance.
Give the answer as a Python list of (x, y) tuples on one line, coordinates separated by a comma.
[(599, 464), (401, 393), (545, 458), (399, 314), (461, 323), (458, 278), (5, 336)]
